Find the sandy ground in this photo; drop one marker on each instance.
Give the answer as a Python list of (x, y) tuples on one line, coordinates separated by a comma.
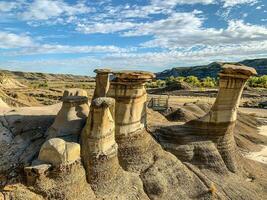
[(260, 156)]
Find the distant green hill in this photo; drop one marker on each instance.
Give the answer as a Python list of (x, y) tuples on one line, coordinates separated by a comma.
[(211, 69)]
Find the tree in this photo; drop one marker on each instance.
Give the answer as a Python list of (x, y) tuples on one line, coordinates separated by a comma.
[(208, 82), (192, 80)]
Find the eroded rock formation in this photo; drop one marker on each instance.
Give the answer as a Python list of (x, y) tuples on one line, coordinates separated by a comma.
[(115, 143), (214, 131), (58, 152), (98, 142), (128, 89), (72, 116), (102, 82)]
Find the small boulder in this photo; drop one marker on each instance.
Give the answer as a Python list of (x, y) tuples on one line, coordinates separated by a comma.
[(56, 151)]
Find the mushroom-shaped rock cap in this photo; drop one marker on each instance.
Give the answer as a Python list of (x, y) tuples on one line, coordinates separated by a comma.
[(238, 69), (134, 75), (103, 71)]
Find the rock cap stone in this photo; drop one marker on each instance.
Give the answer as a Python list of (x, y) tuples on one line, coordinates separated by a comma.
[(127, 75), (103, 71), (238, 69)]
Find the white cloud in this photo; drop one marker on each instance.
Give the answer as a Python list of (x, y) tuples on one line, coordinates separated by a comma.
[(25, 45), (144, 61), (185, 30), (6, 6), (231, 3), (11, 40), (104, 27), (47, 9), (63, 49)]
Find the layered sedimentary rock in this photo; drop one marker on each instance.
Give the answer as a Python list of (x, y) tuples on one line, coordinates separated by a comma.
[(231, 84), (100, 156), (215, 129), (128, 89), (98, 142), (102, 82), (72, 116)]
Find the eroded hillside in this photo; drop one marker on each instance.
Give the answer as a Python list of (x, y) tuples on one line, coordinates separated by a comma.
[(114, 147)]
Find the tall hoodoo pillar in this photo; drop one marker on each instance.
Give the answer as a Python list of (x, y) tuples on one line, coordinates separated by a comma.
[(71, 118), (102, 82), (128, 89), (219, 122), (98, 143), (231, 84)]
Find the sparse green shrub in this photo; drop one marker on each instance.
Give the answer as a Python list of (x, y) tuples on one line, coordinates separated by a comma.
[(208, 82), (260, 81), (156, 84), (192, 80)]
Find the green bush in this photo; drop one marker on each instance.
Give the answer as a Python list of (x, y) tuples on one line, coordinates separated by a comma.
[(156, 84), (208, 82), (260, 81), (192, 80)]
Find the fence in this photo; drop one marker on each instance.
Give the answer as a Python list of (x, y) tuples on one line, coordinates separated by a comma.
[(160, 103)]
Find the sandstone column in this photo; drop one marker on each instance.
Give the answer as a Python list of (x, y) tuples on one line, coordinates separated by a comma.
[(98, 143), (219, 123), (102, 82), (231, 84), (128, 89), (70, 119)]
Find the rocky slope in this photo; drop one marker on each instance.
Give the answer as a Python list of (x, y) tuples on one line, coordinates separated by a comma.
[(211, 69), (118, 149), (30, 76)]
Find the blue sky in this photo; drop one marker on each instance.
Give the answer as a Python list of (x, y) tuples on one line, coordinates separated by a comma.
[(67, 36)]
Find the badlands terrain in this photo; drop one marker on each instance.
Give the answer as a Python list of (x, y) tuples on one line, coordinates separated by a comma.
[(77, 137)]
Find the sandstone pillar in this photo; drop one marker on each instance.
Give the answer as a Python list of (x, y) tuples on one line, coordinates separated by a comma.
[(102, 82), (219, 123), (70, 119), (231, 84), (128, 89), (99, 149)]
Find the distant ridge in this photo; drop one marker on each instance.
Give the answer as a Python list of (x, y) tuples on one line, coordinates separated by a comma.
[(31, 76), (211, 69)]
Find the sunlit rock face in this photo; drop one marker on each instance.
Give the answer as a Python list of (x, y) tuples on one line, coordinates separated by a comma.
[(214, 128), (71, 117), (128, 90), (58, 152), (102, 82), (99, 149), (231, 84)]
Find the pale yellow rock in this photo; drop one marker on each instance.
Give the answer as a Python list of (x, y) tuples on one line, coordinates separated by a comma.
[(102, 82), (128, 89), (58, 152), (71, 118), (75, 92), (231, 84)]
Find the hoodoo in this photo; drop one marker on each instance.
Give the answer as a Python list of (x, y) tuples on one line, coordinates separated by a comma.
[(99, 146), (214, 128), (71, 118), (102, 82), (128, 89)]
